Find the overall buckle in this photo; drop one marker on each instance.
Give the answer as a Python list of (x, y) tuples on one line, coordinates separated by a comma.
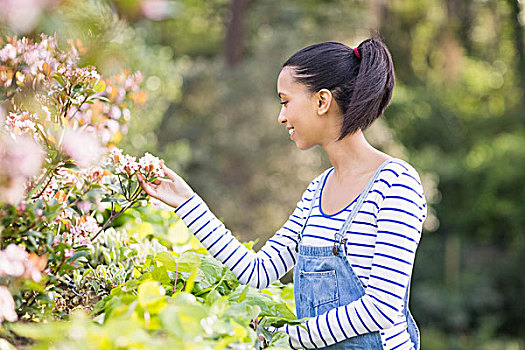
[(336, 247)]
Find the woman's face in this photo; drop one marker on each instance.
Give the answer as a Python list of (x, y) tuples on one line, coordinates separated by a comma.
[(298, 111)]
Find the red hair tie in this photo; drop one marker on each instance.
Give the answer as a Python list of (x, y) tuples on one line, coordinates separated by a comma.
[(357, 53)]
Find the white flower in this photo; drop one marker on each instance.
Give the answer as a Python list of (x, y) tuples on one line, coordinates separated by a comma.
[(8, 53), (21, 122), (151, 165)]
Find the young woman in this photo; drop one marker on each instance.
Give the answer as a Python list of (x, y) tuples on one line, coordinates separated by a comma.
[(353, 236)]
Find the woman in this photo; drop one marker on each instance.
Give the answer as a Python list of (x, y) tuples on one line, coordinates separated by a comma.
[(353, 236)]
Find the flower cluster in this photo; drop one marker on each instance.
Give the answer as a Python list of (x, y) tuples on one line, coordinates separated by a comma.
[(56, 121), (69, 95), (28, 56), (16, 262), (19, 123), (82, 232), (149, 165)]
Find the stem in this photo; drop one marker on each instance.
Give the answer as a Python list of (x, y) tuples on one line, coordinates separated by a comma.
[(80, 196), (122, 187), (129, 185), (78, 108), (49, 172), (42, 135), (112, 217), (132, 201)]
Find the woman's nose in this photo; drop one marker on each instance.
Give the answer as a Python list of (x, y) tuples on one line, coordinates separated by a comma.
[(282, 118)]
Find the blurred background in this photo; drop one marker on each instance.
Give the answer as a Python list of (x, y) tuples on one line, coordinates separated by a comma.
[(458, 115)]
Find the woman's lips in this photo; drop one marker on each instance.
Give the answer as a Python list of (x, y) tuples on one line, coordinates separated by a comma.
[(291, 131)]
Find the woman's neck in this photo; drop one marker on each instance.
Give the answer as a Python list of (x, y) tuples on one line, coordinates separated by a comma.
[(353, 155)]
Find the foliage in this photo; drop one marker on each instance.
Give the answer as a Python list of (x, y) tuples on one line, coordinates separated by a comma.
[(157, 309), (60, 117), (69, 216)]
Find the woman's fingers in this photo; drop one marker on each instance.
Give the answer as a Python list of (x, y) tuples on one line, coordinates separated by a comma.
[(145, 186), (168, 172)]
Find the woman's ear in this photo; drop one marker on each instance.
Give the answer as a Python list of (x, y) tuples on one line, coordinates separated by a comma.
[(323, 101)]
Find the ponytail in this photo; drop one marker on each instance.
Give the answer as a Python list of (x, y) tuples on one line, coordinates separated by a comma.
[(373, 87)]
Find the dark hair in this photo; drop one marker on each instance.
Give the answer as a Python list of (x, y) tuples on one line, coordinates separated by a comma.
[(361, 86)]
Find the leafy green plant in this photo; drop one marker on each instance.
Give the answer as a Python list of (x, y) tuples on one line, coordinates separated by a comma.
[(187, 301)]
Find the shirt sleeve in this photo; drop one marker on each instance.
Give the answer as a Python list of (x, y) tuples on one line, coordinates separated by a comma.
[(259, 269), (400, 219)]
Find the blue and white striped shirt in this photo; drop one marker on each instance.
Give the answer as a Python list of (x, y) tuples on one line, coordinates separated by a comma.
[(382, 243)]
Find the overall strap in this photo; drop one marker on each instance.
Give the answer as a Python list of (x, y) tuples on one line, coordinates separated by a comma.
[(312, 203), (339, 236)]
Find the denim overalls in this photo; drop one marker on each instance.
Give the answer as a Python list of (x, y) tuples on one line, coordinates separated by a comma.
[(324, 279)]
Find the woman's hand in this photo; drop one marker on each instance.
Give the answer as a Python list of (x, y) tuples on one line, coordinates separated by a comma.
[(173, 191)]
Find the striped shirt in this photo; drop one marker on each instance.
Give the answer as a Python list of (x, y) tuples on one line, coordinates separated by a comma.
[(382, 241)]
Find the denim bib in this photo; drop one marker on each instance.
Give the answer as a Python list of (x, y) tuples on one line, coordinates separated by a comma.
[(324, 280)]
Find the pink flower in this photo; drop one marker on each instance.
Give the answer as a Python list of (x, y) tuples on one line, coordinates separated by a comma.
[(86, 227), (127, 164), (20, 159), (115, 112), (16, 262), (23, 157), (113, 126), (84, 206), (83, 147), (156, 10), (7, 306), (8, 52), (13, 191), (12, 260)]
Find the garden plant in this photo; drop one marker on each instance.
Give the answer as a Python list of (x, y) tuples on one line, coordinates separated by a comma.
[(86, 259)]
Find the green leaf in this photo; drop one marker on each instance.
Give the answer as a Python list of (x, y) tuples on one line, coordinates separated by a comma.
[(160, 274), (281, 321), (279, 340), (35, 233), (79, 254), (168, 260), (189, 262), (77, 88), (242, 296), (59, 79), (109, 199)]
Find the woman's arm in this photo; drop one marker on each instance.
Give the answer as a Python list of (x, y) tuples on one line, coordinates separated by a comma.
[(258, 270), (399, 219)]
